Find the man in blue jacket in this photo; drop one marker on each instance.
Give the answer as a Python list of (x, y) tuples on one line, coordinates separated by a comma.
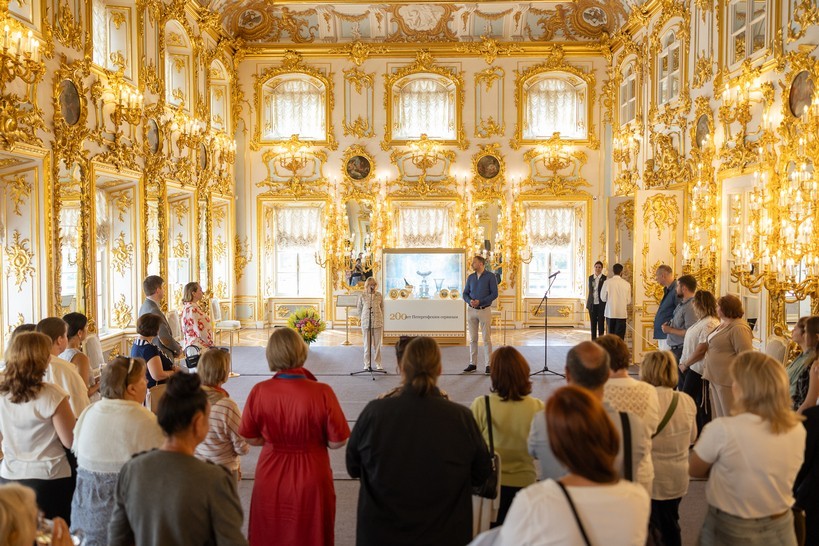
[(665, 278), (481, 290)]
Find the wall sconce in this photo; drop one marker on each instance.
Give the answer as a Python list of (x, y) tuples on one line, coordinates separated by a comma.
[(20, 57), (554, 154), (293, 155)]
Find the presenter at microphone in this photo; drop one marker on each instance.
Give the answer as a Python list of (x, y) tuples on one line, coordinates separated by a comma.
[(481, 290), (371, 311)]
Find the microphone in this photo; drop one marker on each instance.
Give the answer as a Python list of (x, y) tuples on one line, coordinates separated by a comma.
[(555, 274)]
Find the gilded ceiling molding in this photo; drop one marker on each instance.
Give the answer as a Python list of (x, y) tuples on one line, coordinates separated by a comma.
[(430, 24), (590, 19), (489, 48), (358, 52)]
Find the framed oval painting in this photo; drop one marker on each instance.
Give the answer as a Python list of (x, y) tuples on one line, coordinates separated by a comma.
[(203, 157), (69, 99), (801, 94), (488, 167), (152, 136), (703, 131), (358, 167)]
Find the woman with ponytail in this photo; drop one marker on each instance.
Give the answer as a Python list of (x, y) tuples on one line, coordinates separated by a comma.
[(418, 456)]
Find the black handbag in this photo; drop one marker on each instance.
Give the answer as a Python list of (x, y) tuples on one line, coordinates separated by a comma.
[(489, 488), (192, 354)]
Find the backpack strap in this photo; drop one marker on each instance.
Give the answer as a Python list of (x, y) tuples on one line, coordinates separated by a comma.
[(489, 425), (628, 465), (574, 511), (668, 414)]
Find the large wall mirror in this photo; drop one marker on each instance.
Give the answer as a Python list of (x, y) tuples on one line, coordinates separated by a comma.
[(71, 296), (182, 245)]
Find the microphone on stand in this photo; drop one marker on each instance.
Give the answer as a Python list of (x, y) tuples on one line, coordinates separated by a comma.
[(555, 274)]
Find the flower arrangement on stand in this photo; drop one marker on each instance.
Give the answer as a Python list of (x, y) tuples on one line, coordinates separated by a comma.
[(308, 323)]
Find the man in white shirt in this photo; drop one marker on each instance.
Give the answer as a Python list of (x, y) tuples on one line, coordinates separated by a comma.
[(61, 372), (616, 292)]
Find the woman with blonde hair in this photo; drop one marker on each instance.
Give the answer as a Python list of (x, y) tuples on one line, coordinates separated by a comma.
[(751, 459), (418, 456), (196, 326), (296, 419), (591, 503), (36, 424), (18, 519), (371, 313), (670, 443), (108, 433), (223, 444)]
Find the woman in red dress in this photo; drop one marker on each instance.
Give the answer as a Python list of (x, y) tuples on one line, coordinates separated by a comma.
[(296, 419)]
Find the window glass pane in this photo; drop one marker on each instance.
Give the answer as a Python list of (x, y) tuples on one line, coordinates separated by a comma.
[(738, 16), (425, 106), (738, 51), (294, 107), (554, 105), (757, 37)]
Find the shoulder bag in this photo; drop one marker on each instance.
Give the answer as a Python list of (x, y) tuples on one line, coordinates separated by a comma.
[(574, 511), (668, 414), (489, 489), (628, 465)]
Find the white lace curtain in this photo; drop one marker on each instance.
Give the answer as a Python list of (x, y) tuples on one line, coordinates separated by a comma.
[(295, 107), (425, 106), (423, 227), (552, 105), (550, 226), (298, 227)]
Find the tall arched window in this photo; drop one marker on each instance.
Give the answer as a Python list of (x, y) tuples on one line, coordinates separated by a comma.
[(628, 95), (668, 68), (294, 104), (424, 104), (555, 103)]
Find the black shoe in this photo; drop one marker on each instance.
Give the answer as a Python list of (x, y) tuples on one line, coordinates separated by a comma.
[(471, 368), (487, 370)]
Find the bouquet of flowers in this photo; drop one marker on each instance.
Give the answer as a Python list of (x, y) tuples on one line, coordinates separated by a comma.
[(307, 322)]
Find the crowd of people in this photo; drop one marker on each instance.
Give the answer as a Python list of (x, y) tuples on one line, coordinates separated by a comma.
[(605, 459)]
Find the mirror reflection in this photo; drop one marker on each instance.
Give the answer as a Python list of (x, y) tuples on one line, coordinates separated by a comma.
[(358, 242)]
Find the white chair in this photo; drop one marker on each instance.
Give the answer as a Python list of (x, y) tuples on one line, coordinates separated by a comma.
[(93, 350), (223, 325), (777, 347), (175, 322)]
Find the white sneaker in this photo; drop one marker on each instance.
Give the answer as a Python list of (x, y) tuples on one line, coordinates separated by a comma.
[(378, 367)]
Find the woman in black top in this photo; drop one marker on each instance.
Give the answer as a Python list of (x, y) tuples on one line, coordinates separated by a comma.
[(418, 456), (159, 367)]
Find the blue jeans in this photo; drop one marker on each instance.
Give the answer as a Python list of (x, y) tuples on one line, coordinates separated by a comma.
[(721, 529)]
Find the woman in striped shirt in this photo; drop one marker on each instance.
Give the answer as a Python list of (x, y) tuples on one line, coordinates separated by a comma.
[(223, 444)]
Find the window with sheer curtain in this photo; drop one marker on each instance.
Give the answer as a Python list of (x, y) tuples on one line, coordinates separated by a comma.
[(424, 106), (628, 95), (294, 105), (668, 73), (423, 227), (553, 104), (298, 234), (552, 234)]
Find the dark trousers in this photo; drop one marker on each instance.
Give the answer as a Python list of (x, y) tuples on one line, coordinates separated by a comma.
[(507, 495), (665, 518), (53, 496), (697, 388), (597, 319), (616, 326)]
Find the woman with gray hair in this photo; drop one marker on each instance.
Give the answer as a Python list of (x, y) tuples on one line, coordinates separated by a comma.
[(295, 418), (371, 313), (18, 519), (108, 433)]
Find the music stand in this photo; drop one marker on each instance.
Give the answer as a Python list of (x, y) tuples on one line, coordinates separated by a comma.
[(347, 301), (544, 302)]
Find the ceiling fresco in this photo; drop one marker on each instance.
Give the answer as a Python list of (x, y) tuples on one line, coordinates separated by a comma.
[(263, 22)]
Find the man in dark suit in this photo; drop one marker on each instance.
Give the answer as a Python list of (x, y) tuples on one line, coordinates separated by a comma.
[(154, 288), (594, 304)]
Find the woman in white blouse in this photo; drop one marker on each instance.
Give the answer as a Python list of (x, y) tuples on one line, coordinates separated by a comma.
[(196, 326), (694, 347), (590, 501), (35, 423), (624, 393), (107, 435), (669, 447), (751, 459)]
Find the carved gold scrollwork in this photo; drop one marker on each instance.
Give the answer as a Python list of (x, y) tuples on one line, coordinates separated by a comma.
[(20, 259), (489, 49), (555, 169), (624, 216), (122, 254), (661, 212), (123, 313), (18, 188), (242, 257), (358, 52), (181, 248)]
